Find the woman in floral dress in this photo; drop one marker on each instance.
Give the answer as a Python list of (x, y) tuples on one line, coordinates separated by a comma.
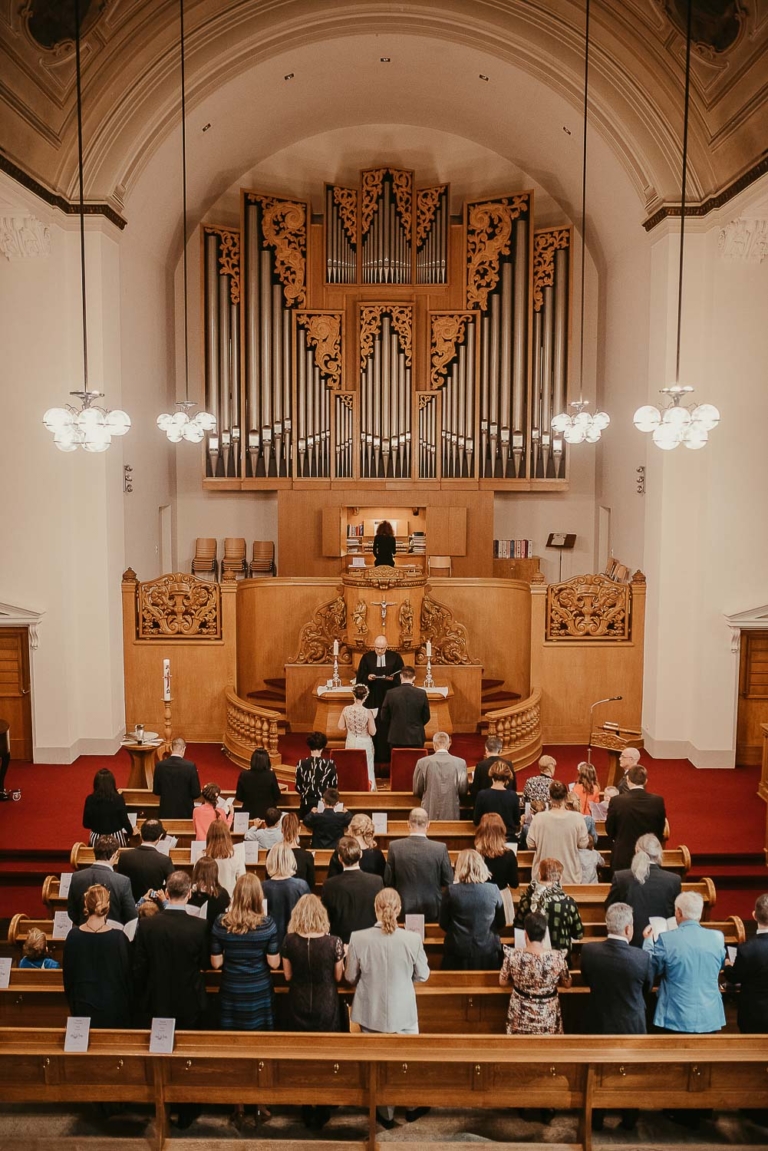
[(534, 975)]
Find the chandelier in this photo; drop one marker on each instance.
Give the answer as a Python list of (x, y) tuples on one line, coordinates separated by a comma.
[(582, 425), (180, 426)]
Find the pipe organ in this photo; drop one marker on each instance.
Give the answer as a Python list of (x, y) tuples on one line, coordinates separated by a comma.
[(386, 339)]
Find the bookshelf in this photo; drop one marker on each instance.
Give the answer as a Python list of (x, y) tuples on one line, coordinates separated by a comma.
[(349, 531)]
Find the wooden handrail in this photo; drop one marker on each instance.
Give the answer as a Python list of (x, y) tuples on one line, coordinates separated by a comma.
[(250, 726), (518, 726)]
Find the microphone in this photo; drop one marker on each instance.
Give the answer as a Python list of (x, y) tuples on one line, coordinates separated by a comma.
[(608, 699)]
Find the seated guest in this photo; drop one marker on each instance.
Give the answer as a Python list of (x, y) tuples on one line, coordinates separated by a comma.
[(35, 951), (211, 809), (257, 788), (573, 803), (645, 886), (471, 915), (97, 966), (122, 904), (586, 787), (500, 798), (305, 860), (686, 965), (531, 809), (229, 856), (419, 868), (535, 975), (547, 896), (282, 890), (440, 780), (207, 892), (619, 977), (349, 897), (105, 812), (145, 866), (328, 826), (372, 860), (480, 780), (267, 831), (558, 834), (491, 843), (590, 861), (631, 814), (315, 774), (177, 783), (750, 970), (537, 787)]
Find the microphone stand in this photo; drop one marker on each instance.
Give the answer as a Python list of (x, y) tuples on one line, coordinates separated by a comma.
[(608, 699)]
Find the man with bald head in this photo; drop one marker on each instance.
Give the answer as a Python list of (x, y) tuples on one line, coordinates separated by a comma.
[(379, 670), (630, 757), (418, 868)]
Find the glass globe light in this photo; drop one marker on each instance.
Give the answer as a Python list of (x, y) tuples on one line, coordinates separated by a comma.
[(695, 438), (64, 439), (575, 434), (175, 434), (192, 432), (90, 418), (561, 422), (118, 422), (583, 418), (601, 420), (667, 436), (707, 415), (593, 434), (647, 418), (206, 421), (56, 418), (677, 417)]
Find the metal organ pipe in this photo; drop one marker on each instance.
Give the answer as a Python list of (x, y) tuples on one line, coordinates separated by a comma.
[(536, 417), (561, 330), (212, 325), (519, 342), (505, 382), (485, 339), (224, 363), (252, 333), (470, 398), (546, 376), (266, 358)]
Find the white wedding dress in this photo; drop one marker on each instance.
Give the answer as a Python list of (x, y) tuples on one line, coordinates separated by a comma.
[(356, 720)]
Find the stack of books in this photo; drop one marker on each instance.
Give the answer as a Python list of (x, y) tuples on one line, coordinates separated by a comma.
[(417, 544)]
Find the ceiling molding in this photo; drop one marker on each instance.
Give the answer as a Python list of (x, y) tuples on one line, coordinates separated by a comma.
[(753, 174), (69, 207)]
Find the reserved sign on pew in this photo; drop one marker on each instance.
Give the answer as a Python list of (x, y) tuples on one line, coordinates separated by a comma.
[(161, 1037), (78, 1034)]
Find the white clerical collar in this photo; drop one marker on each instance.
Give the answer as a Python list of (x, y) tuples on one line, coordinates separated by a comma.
[(621, 938), (381, 660)]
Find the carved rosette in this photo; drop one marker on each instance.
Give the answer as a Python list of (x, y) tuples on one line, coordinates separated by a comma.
[(427, 200), (588, 607), (229, 259), (178, 606), (369, 198), (489, 230), (345, 200), (324, 335), (447, 332), (448, 636), (545, 244), (401, 317), (405, 620), (316, 638), (284, 226)]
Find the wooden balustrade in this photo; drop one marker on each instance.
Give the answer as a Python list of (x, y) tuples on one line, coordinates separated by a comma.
[(248, 727), (519, 729)]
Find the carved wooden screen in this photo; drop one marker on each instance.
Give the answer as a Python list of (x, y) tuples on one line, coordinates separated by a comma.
[(590, 607), (178, 606)]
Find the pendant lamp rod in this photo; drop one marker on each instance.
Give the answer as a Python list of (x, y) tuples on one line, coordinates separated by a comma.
[(584, 199), (184, 200), (686, 105), (78, 80)]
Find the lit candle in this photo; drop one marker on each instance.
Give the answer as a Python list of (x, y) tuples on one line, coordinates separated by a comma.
[(166, 680), (335, 647), (429, 649)]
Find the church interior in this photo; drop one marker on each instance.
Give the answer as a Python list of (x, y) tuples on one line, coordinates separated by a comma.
[(481, 283)]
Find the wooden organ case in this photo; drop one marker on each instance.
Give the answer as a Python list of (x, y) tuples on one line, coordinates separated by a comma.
[(385, 341)]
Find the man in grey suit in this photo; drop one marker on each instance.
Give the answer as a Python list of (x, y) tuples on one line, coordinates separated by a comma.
[(418, 868), (122, 907), (440, 780)]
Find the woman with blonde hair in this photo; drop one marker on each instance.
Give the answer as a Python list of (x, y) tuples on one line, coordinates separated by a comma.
[(586, 787), (372, 859), (305, 860), (211, 809), (244, 943), (35, 951), (97, 966), (282, 890), (229, 856), (471, 915)]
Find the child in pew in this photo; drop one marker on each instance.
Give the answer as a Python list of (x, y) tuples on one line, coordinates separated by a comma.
[(266, 832), (328, 821), (590, 861), (35, 951), (531, 809)]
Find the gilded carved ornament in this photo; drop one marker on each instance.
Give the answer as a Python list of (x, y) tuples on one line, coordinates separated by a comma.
[(402, 185), (178, 606), (448, 636), (324, 335), (448, 330), (489, 231), (328, 623), (427, 200), (545, 244), (405, 620), (382, 576), (229, 258), (401, 316), (425, 399), (588, 607), (345, 200), (359, 619), (284, 227)]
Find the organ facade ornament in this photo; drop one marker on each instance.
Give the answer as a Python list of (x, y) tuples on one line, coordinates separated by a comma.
[(24, 237), (229, 259), (177, 606), (489, 231), (284, 225), (316, 638), (345, 200), (743, 239), (323, 333), (545, 244), (448, 330)]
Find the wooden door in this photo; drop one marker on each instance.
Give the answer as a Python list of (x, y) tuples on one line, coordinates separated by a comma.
[(753, 696), (15, 703)]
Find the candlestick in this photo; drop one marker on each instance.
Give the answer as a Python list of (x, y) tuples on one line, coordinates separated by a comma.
[(429, 649), (335, 648), (336, 681), (167, 725), (428, 680), (166, 680)]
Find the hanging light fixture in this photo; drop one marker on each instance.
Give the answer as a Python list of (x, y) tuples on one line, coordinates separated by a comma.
[(180, 425), (90, 426), (680, 423), (579, 425)]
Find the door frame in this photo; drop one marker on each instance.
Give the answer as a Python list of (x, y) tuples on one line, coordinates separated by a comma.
[(16, 617)]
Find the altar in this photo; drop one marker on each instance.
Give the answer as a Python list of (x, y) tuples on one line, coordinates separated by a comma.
[(331, 701)]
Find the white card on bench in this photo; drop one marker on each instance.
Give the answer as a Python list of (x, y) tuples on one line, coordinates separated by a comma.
[(196, 849), (251, 851), (5, 972), (64, 881), (415, 923), (62, 925), (161, 1036), (240, 825), (132, 817), (78, 1033), (379, 822), (519, 939)]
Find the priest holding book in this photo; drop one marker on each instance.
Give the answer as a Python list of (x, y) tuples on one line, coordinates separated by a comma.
[(379, 670)]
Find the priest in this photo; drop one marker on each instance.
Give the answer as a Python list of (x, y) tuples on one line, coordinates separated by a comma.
[(379, 670)]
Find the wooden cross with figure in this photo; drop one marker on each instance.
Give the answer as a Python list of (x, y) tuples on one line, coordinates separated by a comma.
[(383, 604)]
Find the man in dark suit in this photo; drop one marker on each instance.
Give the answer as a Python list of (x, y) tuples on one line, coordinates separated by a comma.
[(177, 783), (406, 712), (145, 866), (122, 906), (418, 868), (630, 757), (646, 887), (349, 897), (380, 671), (480, 780), (750, 969), (631, 815)]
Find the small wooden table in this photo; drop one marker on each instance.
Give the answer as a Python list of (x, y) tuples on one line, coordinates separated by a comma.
[(143, 760), (333, 701)]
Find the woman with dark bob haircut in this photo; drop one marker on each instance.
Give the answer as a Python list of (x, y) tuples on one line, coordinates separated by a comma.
[(315, 773), (258, 789), (104, 812)]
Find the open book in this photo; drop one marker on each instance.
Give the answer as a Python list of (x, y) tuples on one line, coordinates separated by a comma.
[(660, 925)]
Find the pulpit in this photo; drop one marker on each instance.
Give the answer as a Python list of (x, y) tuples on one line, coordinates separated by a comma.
[(614, 739)]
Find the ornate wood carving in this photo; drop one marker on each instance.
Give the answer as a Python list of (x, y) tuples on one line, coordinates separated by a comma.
[(448, 636), (401, 316), (178, 606), (369, 197), (425, 399), (405, 620), (402, 183), (588, 607), (229, 258), (448, 330), (489, 229), (427, 200), (545, 244), (346, 400), (345, 200), (284, 226), (324, 335), (316, 638), (382, 577), (359, 619)]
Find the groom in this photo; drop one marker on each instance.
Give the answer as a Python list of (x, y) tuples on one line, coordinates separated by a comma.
[(379, 670)]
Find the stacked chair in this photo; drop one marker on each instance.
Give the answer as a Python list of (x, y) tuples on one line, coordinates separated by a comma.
[(205, 562), (234, 556), (263, 562)]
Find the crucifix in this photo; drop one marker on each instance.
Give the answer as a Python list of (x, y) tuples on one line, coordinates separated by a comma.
[(383, 604)]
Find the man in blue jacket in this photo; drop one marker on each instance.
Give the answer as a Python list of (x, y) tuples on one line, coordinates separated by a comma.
[(687, 965)]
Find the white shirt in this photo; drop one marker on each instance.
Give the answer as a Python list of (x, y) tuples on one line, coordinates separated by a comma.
[(381, 661), (622, 938)]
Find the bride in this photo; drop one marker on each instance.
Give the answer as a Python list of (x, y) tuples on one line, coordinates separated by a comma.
[(359, 724)]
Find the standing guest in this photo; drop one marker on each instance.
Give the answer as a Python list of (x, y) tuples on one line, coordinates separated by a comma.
[(590, 860), (211, 809), (418, 868), (122, 904), (631, 814), (177, 783), (207, 892), (267, 831), (645, 886), (630, 757), (537, 787), (35, 951), (750, 969), (372, 859), (257, 788), (305, 860), (380, 671), (501, 860), (384, 545), (586, 787), (282, 890), (546, 895), (313, 965), (535, 975), (500, 798), (349, 897), (105, 812), (360, 726), (405, 712), (620, 977), (97, 966), (559, 834), (229, 856), (686, 965), (471, 915), (383, 963), (328, 826), (314, 774), (480, 780), (440, 780), (145, 866)]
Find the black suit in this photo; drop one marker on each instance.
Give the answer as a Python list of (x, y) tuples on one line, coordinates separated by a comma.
[(751, 971), (122, 906), (631, 815), (348, 899), (177, 784), (171, 953), (406, 711), (654, 897), (146, 868), (480, 779), (619, 978)]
